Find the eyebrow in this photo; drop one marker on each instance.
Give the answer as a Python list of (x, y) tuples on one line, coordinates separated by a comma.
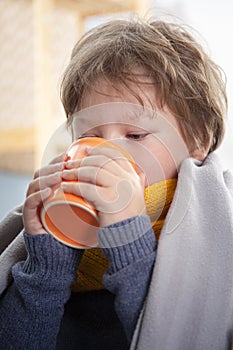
[(130, 114)]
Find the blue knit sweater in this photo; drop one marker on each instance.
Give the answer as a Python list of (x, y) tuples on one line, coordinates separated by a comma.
[(38, 310)]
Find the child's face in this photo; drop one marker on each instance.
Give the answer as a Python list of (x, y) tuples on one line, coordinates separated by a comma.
[(153, 138)]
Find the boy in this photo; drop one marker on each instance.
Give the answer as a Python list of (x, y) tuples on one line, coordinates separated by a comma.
[(150, 87)]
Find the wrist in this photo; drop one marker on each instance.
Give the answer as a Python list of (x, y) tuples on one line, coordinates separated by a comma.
[(124, 232), (34, 229), (47, 256), (127, 242)]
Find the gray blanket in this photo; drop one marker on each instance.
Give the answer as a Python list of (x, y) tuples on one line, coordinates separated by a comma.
[(12, 248), (190, 301)]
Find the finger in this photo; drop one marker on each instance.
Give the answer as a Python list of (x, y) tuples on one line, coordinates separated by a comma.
[(103, 199), (34, 200), (112, 154), (45, 181), (56, 164), (90, 192), (73, 163), (94, 175), (98, 161), (49, 169), (60, 158), (30, 211), (113, 166)]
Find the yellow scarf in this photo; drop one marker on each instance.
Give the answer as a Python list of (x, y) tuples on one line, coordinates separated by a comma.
[(158, 198)]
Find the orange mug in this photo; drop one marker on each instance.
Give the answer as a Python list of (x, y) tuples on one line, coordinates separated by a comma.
[(69, 218)]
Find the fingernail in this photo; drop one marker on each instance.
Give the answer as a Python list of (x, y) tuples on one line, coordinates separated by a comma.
[(63, 185), (57, 175)]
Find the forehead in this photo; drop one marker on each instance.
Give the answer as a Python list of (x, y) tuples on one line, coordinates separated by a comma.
[(139, 88), (123, 113), (108, 102)]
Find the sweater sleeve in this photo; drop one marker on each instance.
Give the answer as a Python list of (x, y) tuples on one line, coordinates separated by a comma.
[(32, 307), (130, 247)]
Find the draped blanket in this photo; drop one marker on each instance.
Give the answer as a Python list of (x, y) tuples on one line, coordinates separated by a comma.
[(190, 301)]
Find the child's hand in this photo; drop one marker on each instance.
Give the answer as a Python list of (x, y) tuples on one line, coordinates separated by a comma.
[(109, 182), (38, 190)]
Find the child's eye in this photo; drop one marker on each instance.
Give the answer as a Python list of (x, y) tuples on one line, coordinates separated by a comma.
[(83, 136), (137, 137)]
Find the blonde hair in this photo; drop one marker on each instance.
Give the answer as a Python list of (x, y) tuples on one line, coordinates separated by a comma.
[(186, 80)]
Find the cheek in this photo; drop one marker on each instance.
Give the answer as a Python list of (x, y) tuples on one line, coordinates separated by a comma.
[(167, 163), (169, 150), (158, 164), (157, 159), (153, 158)]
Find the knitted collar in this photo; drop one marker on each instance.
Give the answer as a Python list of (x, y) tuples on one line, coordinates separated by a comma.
[(158, 198)]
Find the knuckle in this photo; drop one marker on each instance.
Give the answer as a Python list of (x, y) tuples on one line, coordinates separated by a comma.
[(55, 176), (41, 183), (36, 173), (82, 162), (30, 188), (86, 191), (58, 166), (75, 173), (56, 159), (98, 174), (27, 202), (71, 174)]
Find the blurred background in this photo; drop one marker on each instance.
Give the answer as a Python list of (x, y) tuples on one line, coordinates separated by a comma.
[(36, 39)]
